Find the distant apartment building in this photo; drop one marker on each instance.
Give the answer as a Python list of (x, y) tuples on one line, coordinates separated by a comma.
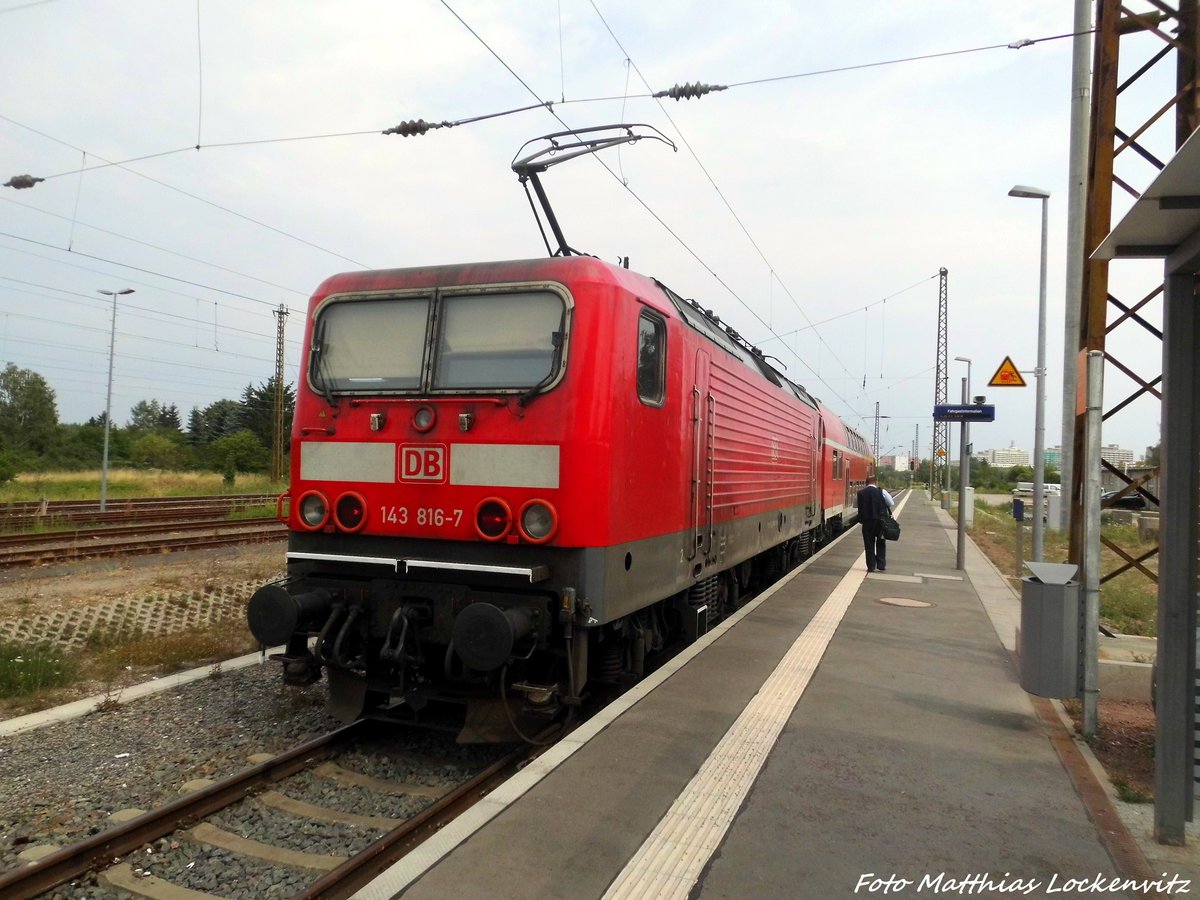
[(899, 463), (1012, 456), (1006, 458), (1117, 456)]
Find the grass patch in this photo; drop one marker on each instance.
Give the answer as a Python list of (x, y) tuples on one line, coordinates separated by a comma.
[(166, 653), (262, 510), (1130, 794), (34, 678), (1128, 603), (26, 670), (128, 483)]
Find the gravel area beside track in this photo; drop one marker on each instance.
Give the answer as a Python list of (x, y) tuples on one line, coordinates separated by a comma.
[(60, 783)]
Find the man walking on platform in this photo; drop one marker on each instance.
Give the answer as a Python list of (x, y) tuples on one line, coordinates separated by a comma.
[(873, 508)]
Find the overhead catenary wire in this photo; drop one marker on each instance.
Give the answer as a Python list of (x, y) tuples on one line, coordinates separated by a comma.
[(88, 300), (199, 78), (637, 197), (412, 127), (157, 247), (181, 191), (682, 93), (207, 287), (850, 312)]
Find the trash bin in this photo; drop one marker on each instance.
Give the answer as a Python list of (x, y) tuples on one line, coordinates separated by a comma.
[(1050, 631)]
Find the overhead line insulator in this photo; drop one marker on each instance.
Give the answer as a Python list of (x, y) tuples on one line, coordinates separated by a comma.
[(22, 181), (687, 91), (413, 127)]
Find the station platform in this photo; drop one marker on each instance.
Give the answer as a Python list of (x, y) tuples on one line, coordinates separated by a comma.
[(846, 734)]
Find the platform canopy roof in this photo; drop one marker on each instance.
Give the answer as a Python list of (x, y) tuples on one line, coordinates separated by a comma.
[(1165, 221)]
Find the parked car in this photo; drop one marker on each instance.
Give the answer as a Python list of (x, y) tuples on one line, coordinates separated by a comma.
[(1129, 501), (1025, 489)]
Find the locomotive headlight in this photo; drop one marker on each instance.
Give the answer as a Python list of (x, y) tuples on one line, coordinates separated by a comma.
[(539, 521), (493, 519), (424, 418), (350, 513), (314, 510)]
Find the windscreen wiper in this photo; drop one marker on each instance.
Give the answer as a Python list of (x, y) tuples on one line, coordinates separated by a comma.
[(317, 364)]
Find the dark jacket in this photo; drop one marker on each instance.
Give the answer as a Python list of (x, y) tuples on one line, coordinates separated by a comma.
[(871, 505)]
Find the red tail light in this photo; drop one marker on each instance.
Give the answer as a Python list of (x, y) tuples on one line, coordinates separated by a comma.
[(493, 519), (350, 512)]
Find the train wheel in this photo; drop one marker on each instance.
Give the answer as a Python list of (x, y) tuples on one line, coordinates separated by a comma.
[(730, 592)]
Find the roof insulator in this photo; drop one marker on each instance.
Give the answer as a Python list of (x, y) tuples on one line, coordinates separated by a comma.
[(22, 181), (414, 127), (687, 91)]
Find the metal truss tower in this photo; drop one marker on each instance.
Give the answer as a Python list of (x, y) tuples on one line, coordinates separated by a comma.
[(281, 315), (875, 446), (1131, 39), (939, 465)]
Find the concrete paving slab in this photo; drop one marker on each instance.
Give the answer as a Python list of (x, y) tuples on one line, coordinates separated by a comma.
[(913, 757), (914, 753)]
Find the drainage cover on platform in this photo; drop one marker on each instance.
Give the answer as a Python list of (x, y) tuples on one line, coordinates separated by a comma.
[(904, 601)]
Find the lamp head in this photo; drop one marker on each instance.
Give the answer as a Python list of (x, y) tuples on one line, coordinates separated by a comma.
[(1032, 193)]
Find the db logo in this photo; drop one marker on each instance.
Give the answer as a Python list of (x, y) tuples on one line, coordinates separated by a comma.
[(423, 462)]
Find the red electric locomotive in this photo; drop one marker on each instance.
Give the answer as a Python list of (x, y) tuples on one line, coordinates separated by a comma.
[(513, 480)]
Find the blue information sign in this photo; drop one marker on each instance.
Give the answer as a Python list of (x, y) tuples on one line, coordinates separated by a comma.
[(964, 412)]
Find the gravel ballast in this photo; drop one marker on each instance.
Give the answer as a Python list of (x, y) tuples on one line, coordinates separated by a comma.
[(61, 782)]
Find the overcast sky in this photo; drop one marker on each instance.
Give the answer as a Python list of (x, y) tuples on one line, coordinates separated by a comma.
[(790, 203)]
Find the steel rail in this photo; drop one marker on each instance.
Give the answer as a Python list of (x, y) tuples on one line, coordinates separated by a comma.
[(373, 860)]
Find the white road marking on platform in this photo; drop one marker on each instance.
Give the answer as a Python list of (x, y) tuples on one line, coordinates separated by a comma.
[(884, 576), (942, 577)]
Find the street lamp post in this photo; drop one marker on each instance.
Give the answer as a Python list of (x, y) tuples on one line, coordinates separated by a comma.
[(964, 470), (1039, 427), (112, 341)]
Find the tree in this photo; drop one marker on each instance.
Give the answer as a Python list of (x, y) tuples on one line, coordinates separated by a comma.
[(215, 421), (1019, 473), (1153, 455), (28, 412), (151, 415), (156, 451), (241, 450), (258, 411), (9, 469)]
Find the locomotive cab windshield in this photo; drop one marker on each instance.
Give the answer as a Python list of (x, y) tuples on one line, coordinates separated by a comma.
[(498, 341)]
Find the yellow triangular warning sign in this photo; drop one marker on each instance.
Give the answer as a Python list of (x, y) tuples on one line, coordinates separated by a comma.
[(1007, 375)]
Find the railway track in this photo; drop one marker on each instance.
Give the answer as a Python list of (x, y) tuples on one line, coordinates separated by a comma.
[(332, 876), (25, 516), (18, 550)]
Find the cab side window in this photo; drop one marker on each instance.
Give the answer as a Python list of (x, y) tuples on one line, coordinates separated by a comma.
[(651, 359)]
